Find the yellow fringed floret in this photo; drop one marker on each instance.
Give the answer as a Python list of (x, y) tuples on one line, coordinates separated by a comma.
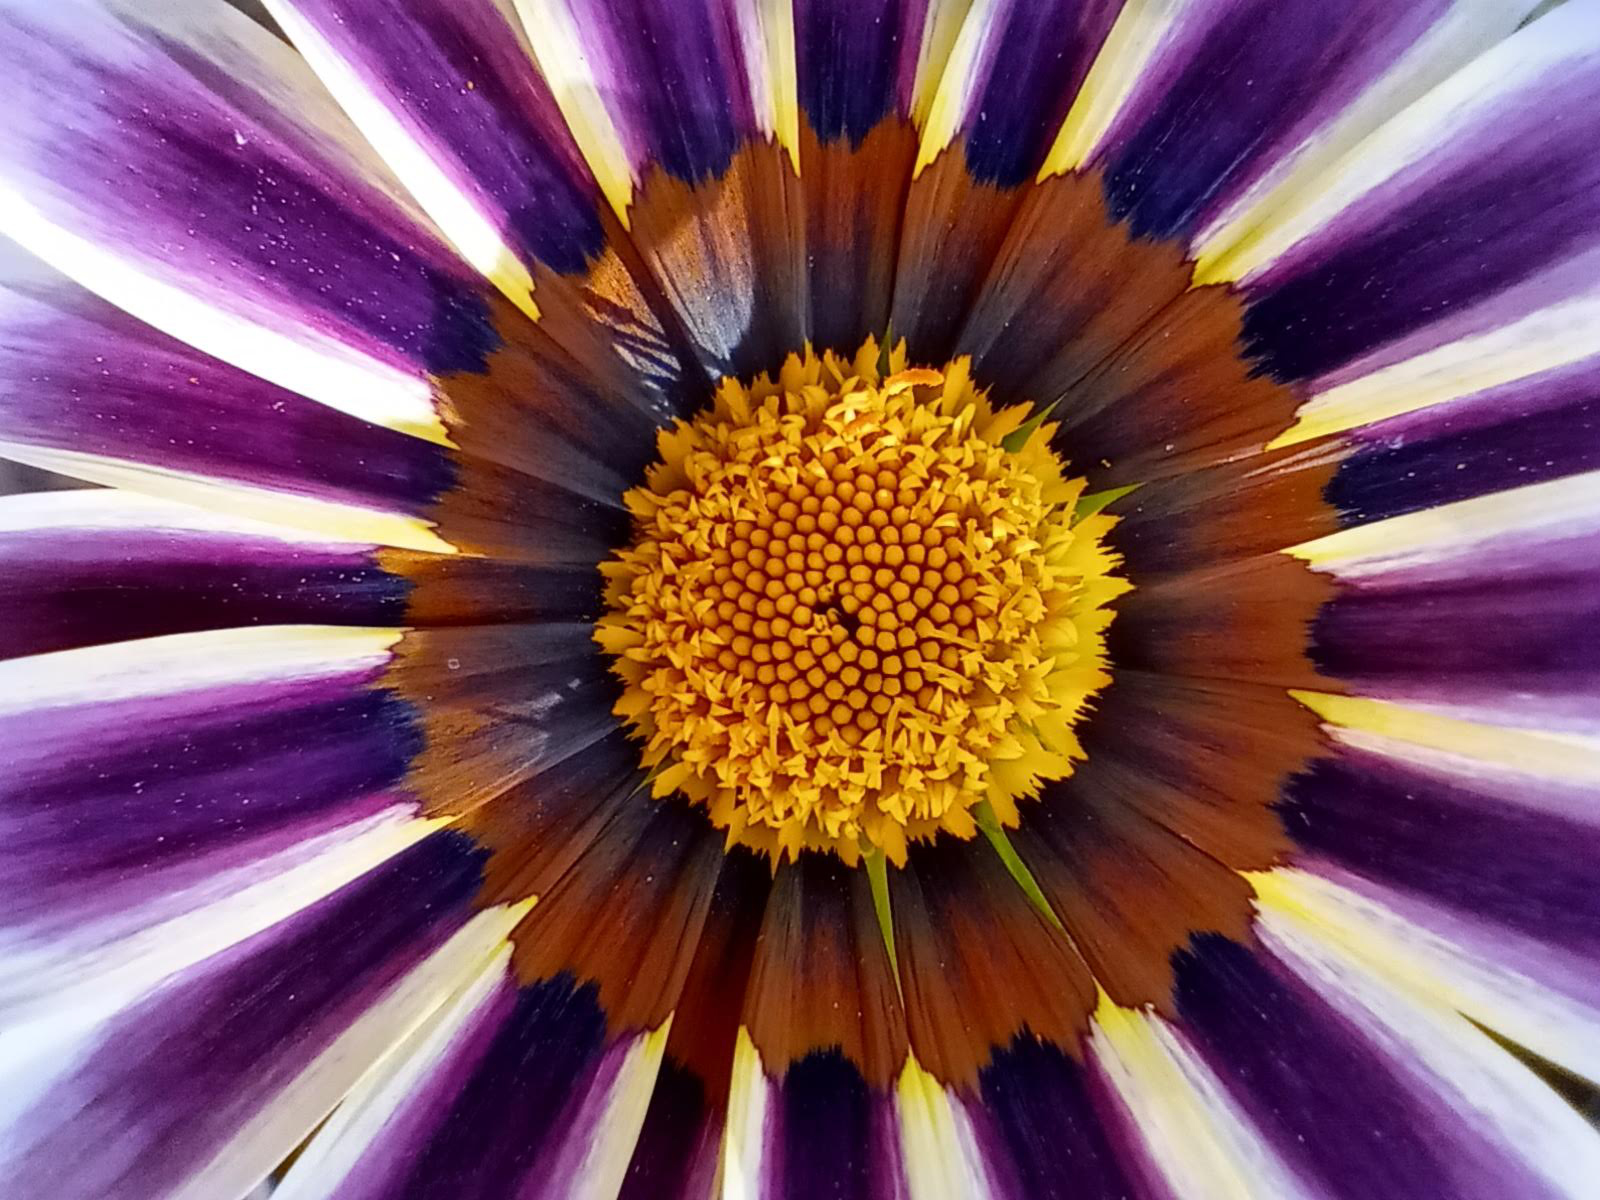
[(850, 614)]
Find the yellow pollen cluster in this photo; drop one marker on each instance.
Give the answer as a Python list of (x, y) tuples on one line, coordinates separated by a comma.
[(856, 607)]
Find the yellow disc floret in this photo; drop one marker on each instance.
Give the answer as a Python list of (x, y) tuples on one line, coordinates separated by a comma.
[(857, 607)]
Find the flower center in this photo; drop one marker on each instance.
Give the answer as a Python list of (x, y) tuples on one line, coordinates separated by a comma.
[(857, 608)]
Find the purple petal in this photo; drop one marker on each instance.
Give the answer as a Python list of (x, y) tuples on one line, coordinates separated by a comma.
[(1043, 1125), (1326, 1097), (498, 1105), (1533, 430), (1527, 631), (1237, 87), (216, 195), (672, 76), (1457, 843), (83, 377), (1037, 57), (175, 1079), (829, 1134), (171, 570), (857, 62), (1014, 92), (459, 81), (1477, 191)]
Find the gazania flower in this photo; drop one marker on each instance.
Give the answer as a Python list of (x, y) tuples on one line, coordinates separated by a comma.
[(846, 598)]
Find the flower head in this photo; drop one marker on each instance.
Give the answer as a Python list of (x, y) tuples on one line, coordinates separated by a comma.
[(842, 598), (858, 608)]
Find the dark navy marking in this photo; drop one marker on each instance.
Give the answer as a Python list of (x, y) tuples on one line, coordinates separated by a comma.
[(1046, 1126), (849, 53)]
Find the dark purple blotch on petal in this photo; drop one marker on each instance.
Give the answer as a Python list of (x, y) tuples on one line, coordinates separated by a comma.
[(850, 55), (508, 1113), (1533, 631), (1041, 1128), (1036, 78), (101, 382), (1457, 844), (671, 1140), (669, 66), (459, 72), (64, 589), (248, 192), (834, 1138)]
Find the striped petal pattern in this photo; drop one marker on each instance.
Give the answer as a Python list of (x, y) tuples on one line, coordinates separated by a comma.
[(302, 265)]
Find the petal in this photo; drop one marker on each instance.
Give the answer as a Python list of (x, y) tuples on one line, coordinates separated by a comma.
[(1529, 330), (678, 1146), (1178, 1113), (938, 1141), (1447, 38), (95, 393), (185, 664), (1455, 842), (1203, 759), (1145, 373), (644, 887), (200, 1089), (1559, 745), (1526, 1125), (449, 96), (1525, 630), (1532, 994), (861, 66), (822, 1040), (542, 1085), (820, 927), (1248, 621), (1013, 73), (500, 706), (1218, 516), (165, 174), (829, 1134), (684, 112), (513, 1086), (1383, 318), (1247, 89), (1129, 891), (386, 1113), (79, 568), (1333, 1103), (99, 395), (1533, 430), (168, 798), (1526, 526), (1476, 608), (1044, 1126), (640, 87), (981, 968)]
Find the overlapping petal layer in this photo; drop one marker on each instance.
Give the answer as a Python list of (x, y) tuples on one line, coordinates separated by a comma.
[(317, 815)]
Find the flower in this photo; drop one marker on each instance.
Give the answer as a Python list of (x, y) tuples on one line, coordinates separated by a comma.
[(787, 598)]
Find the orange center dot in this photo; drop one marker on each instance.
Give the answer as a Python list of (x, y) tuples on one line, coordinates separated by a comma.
[(855, 610)]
